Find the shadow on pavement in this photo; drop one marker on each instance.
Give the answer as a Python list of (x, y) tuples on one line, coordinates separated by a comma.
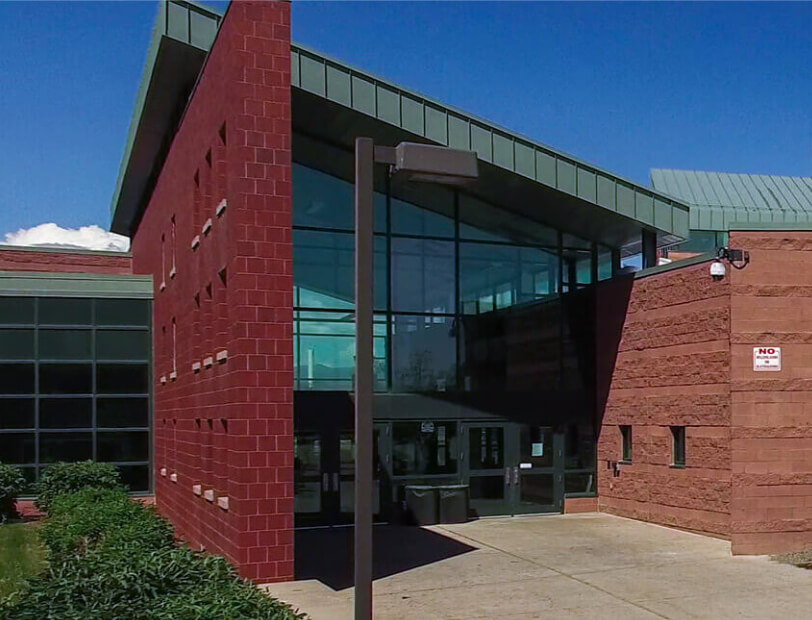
[(326, 554)]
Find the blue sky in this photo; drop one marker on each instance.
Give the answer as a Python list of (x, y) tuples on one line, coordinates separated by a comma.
[(625, 86)]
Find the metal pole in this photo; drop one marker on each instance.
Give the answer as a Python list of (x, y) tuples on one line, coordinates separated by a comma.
[(364, 166)]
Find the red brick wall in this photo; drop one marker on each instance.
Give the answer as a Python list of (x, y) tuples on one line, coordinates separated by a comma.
[(771, 304), (228, 427), (64, 262), (672, 368)]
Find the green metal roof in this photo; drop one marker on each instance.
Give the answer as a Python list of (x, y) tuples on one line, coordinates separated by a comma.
[(184, 32), (719, 200), (378, 98), (37, 284)]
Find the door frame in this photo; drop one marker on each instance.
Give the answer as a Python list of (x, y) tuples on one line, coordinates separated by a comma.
[(512, 471)]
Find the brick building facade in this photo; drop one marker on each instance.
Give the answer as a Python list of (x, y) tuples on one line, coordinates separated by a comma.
[(686, 360), (511, 344), (216, 237)]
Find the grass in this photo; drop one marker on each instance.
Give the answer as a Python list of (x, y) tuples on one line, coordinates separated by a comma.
[(21, 555)]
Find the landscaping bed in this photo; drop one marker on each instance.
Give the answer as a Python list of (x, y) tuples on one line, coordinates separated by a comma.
[(104, 556)]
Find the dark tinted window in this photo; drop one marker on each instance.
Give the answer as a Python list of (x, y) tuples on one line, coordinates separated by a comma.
[(16, 344), (122, 345), (16, 310), (122, 446), (70, 446), (16, 413), (17, 448), (122, 312), (65, 412), (626, 443), (65, 311), (122, 412), (424, 448), (122, 378), (424, 353), (16, 378), (65, 378), (136, 477), (678, 446), (422, 275), (64, 344)]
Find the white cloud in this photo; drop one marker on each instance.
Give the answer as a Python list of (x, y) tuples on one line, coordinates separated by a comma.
[(53, 236)]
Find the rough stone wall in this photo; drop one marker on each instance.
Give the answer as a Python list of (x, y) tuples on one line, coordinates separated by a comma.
[(771, 305), (672, 369), (64, 262), (223, 351)]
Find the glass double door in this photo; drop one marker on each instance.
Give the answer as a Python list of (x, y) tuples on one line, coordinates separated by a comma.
[(513, 468), (324, 476)]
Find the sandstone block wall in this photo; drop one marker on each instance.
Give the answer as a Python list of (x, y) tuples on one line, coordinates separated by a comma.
[(672, 369)]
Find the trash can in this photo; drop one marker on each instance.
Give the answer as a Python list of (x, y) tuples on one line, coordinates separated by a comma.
[(453, 503), (421, 504)]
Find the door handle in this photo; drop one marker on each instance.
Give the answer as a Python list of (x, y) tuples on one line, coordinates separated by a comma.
[(335, 482), (507, 476), (325, 482), (515, 475)]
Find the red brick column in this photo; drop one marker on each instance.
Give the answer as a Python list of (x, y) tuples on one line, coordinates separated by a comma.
[(772, 411), (224, 425)]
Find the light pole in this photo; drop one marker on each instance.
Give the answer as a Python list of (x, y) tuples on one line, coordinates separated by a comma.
[(416, 162)]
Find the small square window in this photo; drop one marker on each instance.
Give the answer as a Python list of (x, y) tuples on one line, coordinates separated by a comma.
[(678, 446), (626, 444)]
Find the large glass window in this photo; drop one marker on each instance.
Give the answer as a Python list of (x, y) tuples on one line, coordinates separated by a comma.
[(441, 256), (424, 353), (324, 350), (324, 270), (422, 275), (497, 276), (323, 201), (51, 371)]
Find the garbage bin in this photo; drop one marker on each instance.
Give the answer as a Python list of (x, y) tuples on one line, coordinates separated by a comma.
[(421, 504), (453, 503)]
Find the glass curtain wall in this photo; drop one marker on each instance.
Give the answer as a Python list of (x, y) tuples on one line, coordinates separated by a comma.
[(74, 384), (433, 267)]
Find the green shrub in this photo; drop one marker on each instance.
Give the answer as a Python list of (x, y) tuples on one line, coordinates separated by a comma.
[(62, 478), (106, 517), (172, 583), (12, 483), (111, 557)]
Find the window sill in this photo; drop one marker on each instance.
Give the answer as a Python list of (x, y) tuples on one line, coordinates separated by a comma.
[(624, 462), (672, 466)]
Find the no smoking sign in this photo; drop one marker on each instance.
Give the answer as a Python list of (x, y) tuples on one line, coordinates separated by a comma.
[(766, 359)]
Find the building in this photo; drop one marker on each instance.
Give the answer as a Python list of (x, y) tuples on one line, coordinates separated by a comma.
[(75, 353), (515, 350)]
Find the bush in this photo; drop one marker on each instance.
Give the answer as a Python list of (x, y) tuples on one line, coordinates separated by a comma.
[(111, 557), (106, 517), (12, 483), (62, 478)]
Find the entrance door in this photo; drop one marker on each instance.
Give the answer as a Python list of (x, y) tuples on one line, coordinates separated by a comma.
[(513, 468), (324, 476), (538, 476), (488, 467)]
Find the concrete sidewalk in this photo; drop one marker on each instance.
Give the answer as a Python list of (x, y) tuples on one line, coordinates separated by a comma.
[(569, 566)]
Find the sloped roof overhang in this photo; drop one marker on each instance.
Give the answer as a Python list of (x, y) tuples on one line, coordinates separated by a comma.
[(335, 102), (181, 38)]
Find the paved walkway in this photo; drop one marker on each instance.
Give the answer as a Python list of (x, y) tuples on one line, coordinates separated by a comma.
[(561, 566)]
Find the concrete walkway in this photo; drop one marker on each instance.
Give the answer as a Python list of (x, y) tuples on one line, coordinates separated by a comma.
[(561, 566)]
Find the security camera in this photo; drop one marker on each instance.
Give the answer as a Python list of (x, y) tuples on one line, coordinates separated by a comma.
[(717, 270)]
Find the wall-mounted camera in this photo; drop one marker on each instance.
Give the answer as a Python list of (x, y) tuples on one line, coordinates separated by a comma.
[(738, 259)]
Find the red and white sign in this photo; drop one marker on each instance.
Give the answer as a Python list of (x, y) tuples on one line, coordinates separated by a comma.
[(766, 358)]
